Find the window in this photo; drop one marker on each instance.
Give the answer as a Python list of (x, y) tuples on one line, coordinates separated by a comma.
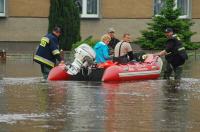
[(184, 5), (158, 5), (88, 8), (2, 8)]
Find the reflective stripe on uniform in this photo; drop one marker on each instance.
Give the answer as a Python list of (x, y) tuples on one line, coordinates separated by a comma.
[(178, 38), (55, 52), (43, 60), (44, 41), (182, 48)]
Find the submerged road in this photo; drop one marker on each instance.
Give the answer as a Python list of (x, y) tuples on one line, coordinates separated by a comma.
[(27, 104)]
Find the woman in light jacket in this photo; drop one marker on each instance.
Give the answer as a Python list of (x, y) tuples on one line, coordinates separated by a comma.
[(101, 49)]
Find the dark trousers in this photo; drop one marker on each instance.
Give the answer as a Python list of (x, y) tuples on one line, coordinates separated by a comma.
[(45, 70), (169, 69), (121, 59)]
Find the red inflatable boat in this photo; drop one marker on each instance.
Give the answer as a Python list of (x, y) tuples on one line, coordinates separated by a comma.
[(109, 71)]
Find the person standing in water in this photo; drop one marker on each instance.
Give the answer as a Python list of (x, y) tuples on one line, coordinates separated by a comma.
[(48, 52), (175, 55)]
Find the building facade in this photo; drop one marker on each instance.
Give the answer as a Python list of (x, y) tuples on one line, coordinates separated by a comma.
[(27, 20)]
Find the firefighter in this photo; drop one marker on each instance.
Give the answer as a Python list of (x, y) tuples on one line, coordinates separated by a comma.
[(175, 55), (47, 53)]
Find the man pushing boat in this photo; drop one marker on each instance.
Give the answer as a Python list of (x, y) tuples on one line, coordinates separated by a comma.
[(175, 55)]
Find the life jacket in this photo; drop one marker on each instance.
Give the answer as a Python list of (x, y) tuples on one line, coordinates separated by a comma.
[(46, 51), (177, 54)]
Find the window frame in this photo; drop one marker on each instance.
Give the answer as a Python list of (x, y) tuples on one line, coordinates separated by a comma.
[(84, 10), (186, 16), (4, 12)]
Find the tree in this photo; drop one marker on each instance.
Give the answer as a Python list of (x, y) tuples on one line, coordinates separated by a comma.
[(154, 37), (65, 13)]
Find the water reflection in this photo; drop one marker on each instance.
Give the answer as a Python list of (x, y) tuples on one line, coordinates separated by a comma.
[(26, 104), (19, 66), (174, 108), (177, 109), (140, 105), (94, 106)]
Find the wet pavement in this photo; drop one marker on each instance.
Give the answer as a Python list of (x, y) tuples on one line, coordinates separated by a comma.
[(27, 104)]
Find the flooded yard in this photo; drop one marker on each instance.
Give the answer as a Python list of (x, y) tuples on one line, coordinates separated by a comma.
[(27, 104)]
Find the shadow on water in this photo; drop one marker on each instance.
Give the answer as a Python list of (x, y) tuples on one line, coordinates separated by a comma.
[(26, 104)]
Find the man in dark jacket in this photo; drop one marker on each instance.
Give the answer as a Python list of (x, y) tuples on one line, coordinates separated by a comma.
[(113, 42), (48, 51), (175, 55)]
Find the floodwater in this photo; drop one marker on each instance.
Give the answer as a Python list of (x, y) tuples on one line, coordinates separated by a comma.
[(27, 104)]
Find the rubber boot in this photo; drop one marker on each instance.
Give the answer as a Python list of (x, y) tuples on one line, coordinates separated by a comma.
[(168, 71), (178, 73)]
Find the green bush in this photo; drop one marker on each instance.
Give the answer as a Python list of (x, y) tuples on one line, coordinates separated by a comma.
[(89, 40)]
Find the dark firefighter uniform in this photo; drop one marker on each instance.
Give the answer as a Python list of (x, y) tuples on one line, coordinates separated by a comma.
[(47, 53), (176, 56)]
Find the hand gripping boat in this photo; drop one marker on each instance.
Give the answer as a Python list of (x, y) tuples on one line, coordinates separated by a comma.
[(82, 68)]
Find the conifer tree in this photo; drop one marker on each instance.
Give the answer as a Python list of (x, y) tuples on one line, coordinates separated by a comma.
[(65, 13), (154, 37)]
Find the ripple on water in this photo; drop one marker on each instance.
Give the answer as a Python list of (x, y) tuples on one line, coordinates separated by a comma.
[(13, 118), (27, 80), (191, 84)]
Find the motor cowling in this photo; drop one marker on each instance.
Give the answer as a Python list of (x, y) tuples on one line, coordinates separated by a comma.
[(84, 57)]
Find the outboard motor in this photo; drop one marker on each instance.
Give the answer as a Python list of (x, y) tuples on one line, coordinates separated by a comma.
[(84, 57)]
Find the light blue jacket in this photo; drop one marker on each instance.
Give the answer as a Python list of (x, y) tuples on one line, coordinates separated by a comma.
[(102, 52)]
